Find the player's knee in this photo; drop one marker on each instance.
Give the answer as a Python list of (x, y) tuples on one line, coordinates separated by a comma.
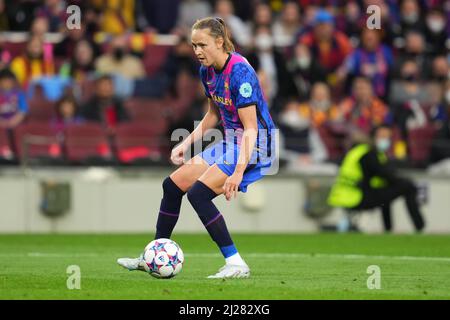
[(199, 193), (194, 195), (169, 187)]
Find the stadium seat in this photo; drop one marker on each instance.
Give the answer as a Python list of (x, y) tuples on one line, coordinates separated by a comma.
[(37, 141), (147, 110), (40, 110), (86, 89), (332, 142), (419, 143), (154, 58), (88, 143), (139, 142), (15, 48)]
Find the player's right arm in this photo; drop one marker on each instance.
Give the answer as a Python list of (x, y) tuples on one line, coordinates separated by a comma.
[(209, 121)]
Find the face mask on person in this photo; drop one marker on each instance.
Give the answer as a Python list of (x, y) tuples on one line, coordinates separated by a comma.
[(118, 53), (411, 18), (264, 42), (436, 25), (383, 144), (322, 105), (292, 119), (33, 56), (409, 77), (304, 62)]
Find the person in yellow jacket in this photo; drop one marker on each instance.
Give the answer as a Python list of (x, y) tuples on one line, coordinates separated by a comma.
[(366, 181)]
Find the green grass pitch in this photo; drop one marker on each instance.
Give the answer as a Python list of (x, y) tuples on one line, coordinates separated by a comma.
[(308, 266)]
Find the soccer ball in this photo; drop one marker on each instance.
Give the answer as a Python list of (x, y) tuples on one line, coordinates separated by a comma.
[(163, 258)]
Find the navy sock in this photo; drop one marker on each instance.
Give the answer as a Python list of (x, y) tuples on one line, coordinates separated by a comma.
[(169, 209), (200, 196)]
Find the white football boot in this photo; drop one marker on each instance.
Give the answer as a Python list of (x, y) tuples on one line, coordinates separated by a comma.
[(231, 271), (132, 264)]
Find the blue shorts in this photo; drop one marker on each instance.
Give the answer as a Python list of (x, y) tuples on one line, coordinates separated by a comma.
[(226, 155)]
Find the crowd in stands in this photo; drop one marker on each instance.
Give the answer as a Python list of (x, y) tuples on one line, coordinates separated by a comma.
[(128, 75)]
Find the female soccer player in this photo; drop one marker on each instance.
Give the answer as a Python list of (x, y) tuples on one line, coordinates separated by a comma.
[(235, 98)]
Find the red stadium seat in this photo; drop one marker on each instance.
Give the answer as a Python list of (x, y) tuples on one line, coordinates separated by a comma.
[(154, 58), (333, 143), (87, 143), (147, 110), (419, 143), (40, 110), (15, 48), (138, 141), (37, 140)]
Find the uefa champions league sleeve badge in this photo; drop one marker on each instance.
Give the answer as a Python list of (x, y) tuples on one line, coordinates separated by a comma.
[(245, 90)]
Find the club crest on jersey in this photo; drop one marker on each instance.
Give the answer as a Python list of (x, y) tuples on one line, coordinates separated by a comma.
[(245, 90)]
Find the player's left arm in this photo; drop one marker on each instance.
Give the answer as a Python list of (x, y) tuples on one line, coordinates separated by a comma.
[(248, 118)]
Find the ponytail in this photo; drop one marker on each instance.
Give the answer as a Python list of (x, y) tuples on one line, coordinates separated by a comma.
[(217, 28)]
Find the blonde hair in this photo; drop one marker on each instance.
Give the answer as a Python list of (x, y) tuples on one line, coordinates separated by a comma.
[(217, 28)]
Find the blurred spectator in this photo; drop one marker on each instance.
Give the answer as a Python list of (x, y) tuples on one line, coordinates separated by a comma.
[(265, 58), (440, 69), (13, 104), (4, 20), (262, 16), (286, 27), (305, 70), (440, 149), (119, 61), (243, 9), (352, 21), (104, 106), (301, 142), (364, 110), (435, 31), (408, 97), (66, 113), (410, 17), (81, 65), (179, 60), (328, 45), (40, 26), (238, 29), (54, 11), (35, 63), (437, 108), (415, 49), (309, 15), (320, 109), (21, 14), (65, 48), (157, 16), (372, 60), (117, 17), (191, 11)]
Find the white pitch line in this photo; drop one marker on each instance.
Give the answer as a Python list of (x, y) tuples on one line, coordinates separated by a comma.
[(250, 255), (325, 255)]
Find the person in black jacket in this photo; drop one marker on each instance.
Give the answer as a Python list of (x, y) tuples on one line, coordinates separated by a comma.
[(104, 106), (372, 166)]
